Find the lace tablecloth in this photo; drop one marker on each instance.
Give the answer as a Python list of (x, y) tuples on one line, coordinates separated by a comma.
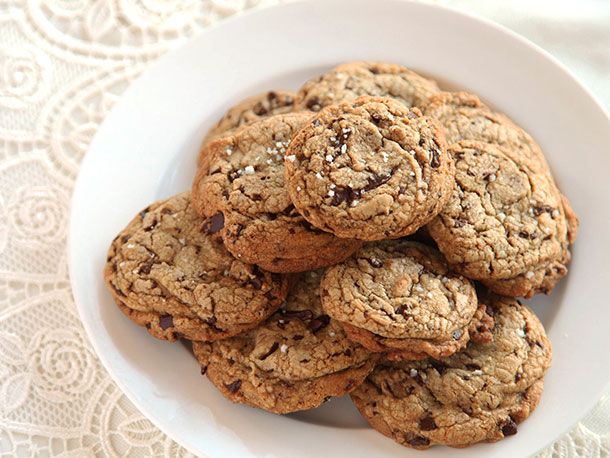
[(63, 64)]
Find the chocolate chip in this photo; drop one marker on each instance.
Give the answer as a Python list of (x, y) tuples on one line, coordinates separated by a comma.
[(166, 321), (153, 284), (148, 325), (298, 337), (435, 162), (166, 211), (457, 334), (259, 109), (125, 238), (440, 367), (341, 195), (377, 180), (304, 361), (256, 197), (144, 212), (117, 290), (274, 347), (375, 263), (239, 229), (509, 428), (256, 282), (145, 268), (313, 104), (152, 226), (418, 441), (524, 234), (374, 70), (427, 423), (178, 335), (376, 118), (271, 96), (304, 315), (518, 377), (401, 309), (211, 322), (231, 361), (214, 224), (347, 352), (543, 209), (319, 323), (282, 324), (233, 387), (473, 367)]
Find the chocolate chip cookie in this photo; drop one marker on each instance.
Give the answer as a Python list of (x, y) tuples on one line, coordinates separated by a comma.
[(352, 80), (245, 199), (296, 360), (167, 274), (400, 297), (505, 223), (465, 117), (479, 394), (252, 109), (369, 169)]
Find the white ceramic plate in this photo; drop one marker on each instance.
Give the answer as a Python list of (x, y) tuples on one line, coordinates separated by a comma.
[(146, 150)]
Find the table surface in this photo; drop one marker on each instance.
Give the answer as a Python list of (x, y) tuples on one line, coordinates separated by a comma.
[(63, 64)]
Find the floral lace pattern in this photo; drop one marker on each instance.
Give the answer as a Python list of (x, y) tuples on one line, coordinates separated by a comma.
[(63, 64)]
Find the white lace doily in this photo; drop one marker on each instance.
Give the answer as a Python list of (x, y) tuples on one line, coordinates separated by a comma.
[(63, 64)]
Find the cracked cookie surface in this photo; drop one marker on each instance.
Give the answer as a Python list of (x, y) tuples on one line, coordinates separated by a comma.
[(402, 298), (244, 195), (354, 79), (369, 169), (295, 360), (479, 394), (168, 275), (465, 117), (504, 221), (252, 109)]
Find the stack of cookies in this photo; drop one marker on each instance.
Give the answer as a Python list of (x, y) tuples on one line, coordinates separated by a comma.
[(368, 235)]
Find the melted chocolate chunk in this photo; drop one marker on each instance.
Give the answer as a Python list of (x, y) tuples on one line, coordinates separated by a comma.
[(318, 323), (313, 104), (259, 109), (233, 387), (125, 238), (214, 224), (375, 263), (145, 268), (273, 348), (509, 428), (166, 321), (418, 441), (144, 212), (117, 290), (427, 423)]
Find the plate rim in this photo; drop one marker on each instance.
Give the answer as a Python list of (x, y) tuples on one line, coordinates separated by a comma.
[(247, 16)]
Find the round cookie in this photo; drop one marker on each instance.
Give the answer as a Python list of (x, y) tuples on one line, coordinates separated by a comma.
[(252, 109), (295, 360), (354, 79), (400, 297), (168, 275), (465, 117), (479, 394), (369, 169), (504, 221), (245, 198)]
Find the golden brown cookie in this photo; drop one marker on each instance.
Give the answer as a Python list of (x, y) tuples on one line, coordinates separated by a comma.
[(479, 394), (296, 360), (252, 109), (505, 223), (355, 79), (245, 198), (168, 275), (401, 297), (369, 169)]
